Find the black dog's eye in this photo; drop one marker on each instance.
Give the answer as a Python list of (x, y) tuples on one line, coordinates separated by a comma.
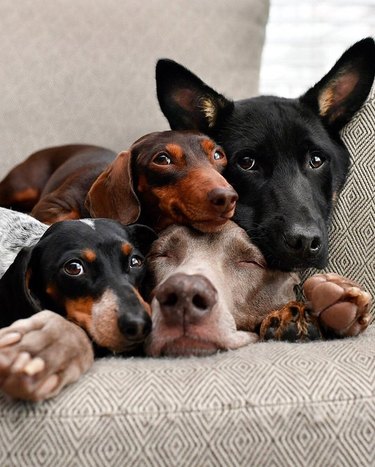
[(74, 268), (246, 163), (162, 159), (218, 155), (316, 161), (136, 261)]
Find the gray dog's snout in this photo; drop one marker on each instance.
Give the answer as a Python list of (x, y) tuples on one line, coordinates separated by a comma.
[(186, 298)]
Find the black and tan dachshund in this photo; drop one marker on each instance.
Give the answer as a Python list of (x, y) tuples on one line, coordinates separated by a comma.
[(285, 156), (88, 271)]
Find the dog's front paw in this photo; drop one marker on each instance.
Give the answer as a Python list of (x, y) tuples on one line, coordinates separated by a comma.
[(340, 305), (292, 323), (41, 355)]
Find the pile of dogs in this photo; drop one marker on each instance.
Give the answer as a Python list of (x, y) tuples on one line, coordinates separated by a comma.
[(188, 242)]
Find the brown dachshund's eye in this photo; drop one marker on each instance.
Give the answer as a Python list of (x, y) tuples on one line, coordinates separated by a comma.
[(136, 261), (218, 155), (74, 268), (162, 159)]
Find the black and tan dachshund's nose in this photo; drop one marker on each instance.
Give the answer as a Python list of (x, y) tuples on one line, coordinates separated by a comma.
[(135, 328), (186, 299), (223, 199)]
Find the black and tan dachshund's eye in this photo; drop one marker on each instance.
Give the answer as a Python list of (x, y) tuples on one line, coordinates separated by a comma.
[(247, 163), (74, 268), (316, 161), (162, 159), (218, 155), (136, 261)]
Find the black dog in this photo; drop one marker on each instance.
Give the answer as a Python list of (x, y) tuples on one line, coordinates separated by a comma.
[(88, 271), (286, 160)]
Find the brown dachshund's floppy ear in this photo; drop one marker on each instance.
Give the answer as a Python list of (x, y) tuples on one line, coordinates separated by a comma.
[(16, 298), (112, 194)]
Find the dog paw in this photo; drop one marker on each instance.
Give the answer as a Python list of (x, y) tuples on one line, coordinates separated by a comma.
[(294, 322), (41, 355), (340, 305)]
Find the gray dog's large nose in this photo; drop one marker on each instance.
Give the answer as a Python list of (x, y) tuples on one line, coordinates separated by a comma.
[(186, 298)]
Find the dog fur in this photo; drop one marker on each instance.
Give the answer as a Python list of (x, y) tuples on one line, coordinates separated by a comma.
[(285, 156)]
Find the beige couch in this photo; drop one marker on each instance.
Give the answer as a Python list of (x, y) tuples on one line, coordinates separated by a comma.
[(83, 71)]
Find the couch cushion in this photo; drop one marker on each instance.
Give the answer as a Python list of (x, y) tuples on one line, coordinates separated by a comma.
[(268, 403), (83, 71)]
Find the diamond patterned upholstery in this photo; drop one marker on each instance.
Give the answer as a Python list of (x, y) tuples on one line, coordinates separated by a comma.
[(265, 404)]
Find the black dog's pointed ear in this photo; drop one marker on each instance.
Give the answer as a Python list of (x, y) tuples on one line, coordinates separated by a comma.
[(142, 236), (16, 298), (343, 90), (186, 101)]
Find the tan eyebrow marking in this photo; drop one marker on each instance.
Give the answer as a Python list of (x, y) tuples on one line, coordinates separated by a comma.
[(175, 149), (126, 248), (208, 146), (89, 255)]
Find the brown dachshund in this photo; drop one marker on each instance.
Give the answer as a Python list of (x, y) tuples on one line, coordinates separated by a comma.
[(22, 187), (164, 178)]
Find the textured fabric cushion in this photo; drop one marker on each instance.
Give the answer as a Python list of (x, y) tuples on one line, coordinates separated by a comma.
[(352, 237), (266, 404), (83, 71)]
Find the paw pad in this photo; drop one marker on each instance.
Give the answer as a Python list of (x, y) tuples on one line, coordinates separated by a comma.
[(340, 305)]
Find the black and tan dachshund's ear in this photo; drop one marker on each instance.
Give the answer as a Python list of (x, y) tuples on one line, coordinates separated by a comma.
[(342, 91), (142, 236), (16, 299), (112, 194), (186, 101)]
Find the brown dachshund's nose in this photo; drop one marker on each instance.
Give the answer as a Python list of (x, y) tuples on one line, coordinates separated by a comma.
[(186, 299), (223, 199)]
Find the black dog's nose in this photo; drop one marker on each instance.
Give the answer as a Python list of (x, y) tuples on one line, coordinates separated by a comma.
[(305, 241), (135, 328), (223, 199), (186, 298)]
